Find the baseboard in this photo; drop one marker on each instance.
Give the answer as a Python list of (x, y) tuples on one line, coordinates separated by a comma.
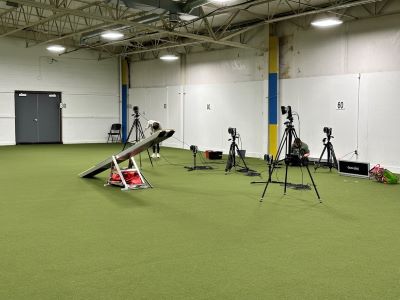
[(7, 143), (86, 142)]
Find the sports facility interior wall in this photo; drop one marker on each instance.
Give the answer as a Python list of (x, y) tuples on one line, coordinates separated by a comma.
[(203, 94), (344, 77), (89, 87)]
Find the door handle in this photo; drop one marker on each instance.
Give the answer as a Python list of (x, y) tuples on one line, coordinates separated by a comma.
[(35, 119)]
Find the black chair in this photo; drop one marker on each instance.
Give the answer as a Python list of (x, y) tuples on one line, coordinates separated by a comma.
[(115, 133)]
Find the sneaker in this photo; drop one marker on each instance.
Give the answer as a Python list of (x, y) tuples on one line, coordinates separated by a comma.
[(153, 155), (158, 155)]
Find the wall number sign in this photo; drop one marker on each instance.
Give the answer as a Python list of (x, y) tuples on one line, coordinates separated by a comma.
[(340, 105)]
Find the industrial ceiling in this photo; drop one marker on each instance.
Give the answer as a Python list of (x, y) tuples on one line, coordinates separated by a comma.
[(155, 26)]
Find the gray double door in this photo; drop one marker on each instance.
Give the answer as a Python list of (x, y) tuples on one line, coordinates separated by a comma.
[(37, 117)]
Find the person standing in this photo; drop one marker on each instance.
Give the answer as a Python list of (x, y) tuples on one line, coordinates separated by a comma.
[(154, 126)]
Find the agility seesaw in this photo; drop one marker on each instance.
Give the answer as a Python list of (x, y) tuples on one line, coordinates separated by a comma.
[(128, 154)]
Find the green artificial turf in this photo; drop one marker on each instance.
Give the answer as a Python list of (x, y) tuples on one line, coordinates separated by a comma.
[(196, 235)]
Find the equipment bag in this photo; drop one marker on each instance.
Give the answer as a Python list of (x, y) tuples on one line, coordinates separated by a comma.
[(131, 177), (383, 175)]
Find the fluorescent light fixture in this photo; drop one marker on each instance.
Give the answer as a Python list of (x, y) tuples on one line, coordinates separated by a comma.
[(221, 1), (112, 35), (187, 17), (327, 22), (169, 57), (56, 48)]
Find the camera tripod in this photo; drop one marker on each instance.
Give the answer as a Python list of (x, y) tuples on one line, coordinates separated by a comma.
[(139, 134), (195, 166), (328, 147), (231, 162), (286, 142)]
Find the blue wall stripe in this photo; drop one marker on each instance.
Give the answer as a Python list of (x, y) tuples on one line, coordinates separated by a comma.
[(273, 98), (124, 112)]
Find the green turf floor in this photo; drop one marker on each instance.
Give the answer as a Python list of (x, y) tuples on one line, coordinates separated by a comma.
[(196, 235)]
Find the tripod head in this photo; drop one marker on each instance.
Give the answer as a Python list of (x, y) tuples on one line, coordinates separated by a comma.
[(289, 124)]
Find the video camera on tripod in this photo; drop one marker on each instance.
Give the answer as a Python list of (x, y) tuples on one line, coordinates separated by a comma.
[(136, 112), (328, 132), (139, 133), (291, 157), (331, 161), (194, 149), (233, 149), (233, 133), (287, 110)]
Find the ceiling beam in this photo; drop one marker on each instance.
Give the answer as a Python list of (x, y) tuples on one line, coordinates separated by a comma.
[(160, 48), (306, 13), (135, 24), (45, 20)]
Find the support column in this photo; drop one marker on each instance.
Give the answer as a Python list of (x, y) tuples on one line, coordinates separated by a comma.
[(273, 81), (124, 97)]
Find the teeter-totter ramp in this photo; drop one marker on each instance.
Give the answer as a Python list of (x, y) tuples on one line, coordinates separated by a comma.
[(128, 154)]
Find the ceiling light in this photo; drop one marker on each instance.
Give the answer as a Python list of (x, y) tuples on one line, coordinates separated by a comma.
[(187, 17), (112, 35), (221, 1), (169, 57), (328, 22), (56, 48)]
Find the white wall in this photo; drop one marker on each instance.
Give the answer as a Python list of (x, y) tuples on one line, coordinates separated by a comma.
[(364, 46), (232, 82), (357, 63), (90, 89)]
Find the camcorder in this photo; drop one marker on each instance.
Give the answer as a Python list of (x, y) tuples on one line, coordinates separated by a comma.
[(328, 131), (287, 110), (136, 111), (232, 131), (194, 149)]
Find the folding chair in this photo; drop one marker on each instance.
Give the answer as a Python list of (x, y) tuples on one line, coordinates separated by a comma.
[(115, 133)]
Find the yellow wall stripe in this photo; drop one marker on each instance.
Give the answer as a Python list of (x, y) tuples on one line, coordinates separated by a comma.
[(273, 139)]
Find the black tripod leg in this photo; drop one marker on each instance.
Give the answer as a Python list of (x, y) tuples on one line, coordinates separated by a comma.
[(329, 156), (141, 133), (241, 157), (334, 158), (128, 137), (287, 167), (151, 161), (319, 161), (265, 190), (274, 163), (312, 180), (267, 183), (231, 159)]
